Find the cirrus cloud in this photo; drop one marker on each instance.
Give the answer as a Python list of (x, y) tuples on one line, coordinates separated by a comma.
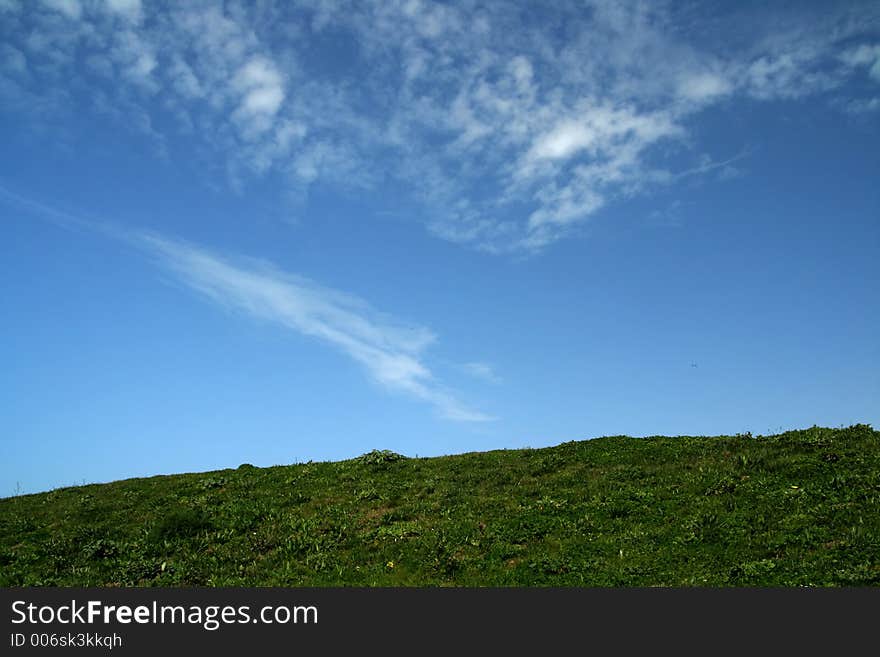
[(508, 127)]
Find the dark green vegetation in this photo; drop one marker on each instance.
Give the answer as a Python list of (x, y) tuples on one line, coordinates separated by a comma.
[(799, 508)]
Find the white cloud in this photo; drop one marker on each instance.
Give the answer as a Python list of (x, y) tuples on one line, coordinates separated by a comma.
[(706, 164), (184, 80), (564, 205), (390, 351), (263, 100), (127, 9), (507, 128), (70, 8), (261, 86), (328, 160), (564, 140), (136, 58), (276, 147), (600, 128), (143, 65), (610, 143), (793, 67), (258, 73), (864, 55), (769, 77), (704, 87), (862, 106)]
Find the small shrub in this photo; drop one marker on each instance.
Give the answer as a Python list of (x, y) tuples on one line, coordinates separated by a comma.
[(379, 457)]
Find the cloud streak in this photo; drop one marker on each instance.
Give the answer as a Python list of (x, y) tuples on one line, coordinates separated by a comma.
[(391, 352)]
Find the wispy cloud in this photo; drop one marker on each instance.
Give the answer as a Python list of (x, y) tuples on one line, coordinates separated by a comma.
[(508, 127), (261, 86), (70, 8), (54, 215), (391, 352), (865, 55), (128, 9)]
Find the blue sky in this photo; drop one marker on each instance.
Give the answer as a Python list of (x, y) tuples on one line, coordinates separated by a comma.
[(276, 232)]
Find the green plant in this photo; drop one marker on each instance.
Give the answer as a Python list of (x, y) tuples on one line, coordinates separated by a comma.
[(379, 457)]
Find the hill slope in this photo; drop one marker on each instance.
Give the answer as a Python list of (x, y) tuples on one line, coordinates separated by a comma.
[(799, 508)]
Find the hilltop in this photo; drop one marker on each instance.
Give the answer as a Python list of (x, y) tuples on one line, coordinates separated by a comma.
[(797, 508)]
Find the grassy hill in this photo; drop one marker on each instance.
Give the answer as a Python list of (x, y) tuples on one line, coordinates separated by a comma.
[(799, 508)]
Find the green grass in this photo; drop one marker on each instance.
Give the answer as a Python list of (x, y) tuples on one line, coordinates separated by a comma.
[(798, 508)]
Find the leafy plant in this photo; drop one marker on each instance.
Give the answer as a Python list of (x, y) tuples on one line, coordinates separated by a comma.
[(379, 457)]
